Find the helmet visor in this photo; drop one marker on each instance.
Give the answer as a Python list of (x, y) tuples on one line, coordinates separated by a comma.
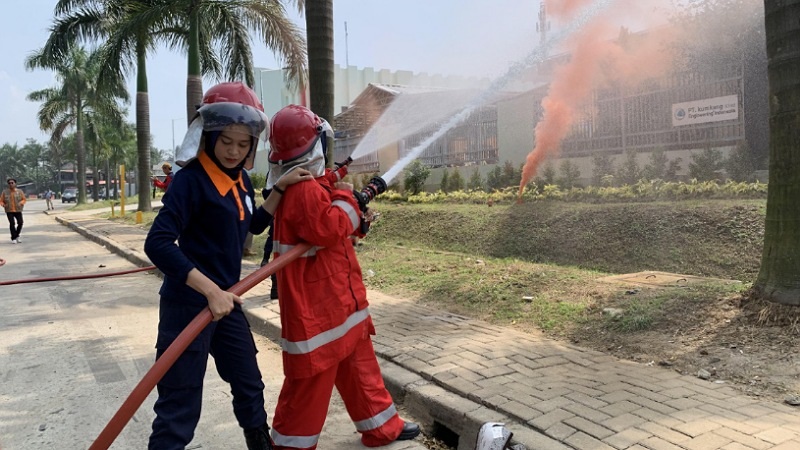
[(218, 116)]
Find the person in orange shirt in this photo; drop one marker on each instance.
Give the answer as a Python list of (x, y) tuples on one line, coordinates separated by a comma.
[(13, 200)]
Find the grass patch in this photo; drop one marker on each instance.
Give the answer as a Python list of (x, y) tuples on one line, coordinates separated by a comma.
[(131, 203), (716, 238), (638, 316), (501, 290), (130, 217), (561, 301)]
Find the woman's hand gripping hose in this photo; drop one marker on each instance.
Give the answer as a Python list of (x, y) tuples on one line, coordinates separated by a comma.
[(168, 358)]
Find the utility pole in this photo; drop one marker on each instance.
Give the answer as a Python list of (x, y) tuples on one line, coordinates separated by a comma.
[(543, 26), (346, 49)]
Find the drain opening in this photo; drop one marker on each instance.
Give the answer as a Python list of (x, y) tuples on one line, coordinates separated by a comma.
[(445, 435)]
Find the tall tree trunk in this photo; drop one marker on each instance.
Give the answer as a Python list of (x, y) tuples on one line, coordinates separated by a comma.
[(755, 84), (142, 129), (95, 175), (194, 80), (779, 277), (319, 34), (80, 151), (109, 177)]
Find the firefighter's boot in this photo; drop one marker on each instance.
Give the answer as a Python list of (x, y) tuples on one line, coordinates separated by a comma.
[(258, 438)]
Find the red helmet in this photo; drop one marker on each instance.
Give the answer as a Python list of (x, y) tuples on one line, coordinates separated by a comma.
[(233, 103), (233, 92), (294, 131)]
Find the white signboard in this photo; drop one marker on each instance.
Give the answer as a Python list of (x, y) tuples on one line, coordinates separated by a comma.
[(714, 109)]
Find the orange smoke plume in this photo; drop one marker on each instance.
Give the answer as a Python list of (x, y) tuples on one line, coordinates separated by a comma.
[(572, 84), (565, 8), (594, 59)]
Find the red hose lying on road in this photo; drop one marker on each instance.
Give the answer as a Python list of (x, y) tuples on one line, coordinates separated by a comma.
[(75, 277), (171, 354)]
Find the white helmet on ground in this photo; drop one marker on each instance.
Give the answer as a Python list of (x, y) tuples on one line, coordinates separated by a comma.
[(493, 436)]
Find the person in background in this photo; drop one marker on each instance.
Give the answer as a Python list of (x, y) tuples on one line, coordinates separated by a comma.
[(13, 201), (163, 185), (209, 209), (48, 198), (325, 320)]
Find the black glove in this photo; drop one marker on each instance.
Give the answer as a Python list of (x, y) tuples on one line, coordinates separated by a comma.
[(362, 199)]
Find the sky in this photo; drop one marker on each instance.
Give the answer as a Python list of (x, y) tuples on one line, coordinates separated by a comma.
[(473, 38)]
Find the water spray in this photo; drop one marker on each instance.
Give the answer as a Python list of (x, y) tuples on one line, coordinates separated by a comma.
[(535, 57)]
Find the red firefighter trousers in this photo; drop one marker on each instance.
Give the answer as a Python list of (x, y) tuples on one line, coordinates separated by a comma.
[(303, 403)]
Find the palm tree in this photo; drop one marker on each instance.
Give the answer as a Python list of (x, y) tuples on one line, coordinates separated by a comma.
[(319, 32), (11, 164), (209, 28), (78, 102), (129, 30), (35, 158), (63, 152), (120, 146), (779, 277), (94, 141), (319, 35)]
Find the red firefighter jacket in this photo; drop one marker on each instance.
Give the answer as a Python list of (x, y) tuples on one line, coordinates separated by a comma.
[(322, 297)]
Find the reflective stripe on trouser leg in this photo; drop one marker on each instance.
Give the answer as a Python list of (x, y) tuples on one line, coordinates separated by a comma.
[(360, 384), (301, 410)]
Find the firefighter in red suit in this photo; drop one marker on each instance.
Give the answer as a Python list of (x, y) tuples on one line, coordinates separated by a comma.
[(325, 319)]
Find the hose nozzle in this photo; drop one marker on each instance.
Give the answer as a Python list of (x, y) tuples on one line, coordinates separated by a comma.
[(375, 187), (346, 162)]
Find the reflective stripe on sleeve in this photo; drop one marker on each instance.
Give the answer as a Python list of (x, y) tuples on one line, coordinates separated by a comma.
[(355, 219), (326, 337), (377, 420), (294, 441), (277, 247)]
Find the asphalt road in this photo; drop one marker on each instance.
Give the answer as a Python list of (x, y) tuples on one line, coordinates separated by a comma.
[(71, 351)]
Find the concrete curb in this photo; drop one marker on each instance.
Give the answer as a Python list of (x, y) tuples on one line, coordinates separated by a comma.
[(136, 257)]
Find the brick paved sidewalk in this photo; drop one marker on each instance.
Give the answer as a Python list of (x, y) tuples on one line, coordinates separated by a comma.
[(454, 373)]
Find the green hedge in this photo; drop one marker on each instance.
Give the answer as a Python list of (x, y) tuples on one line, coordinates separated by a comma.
[(643, 191)]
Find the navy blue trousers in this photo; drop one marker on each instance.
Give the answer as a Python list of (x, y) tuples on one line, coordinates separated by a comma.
[(180, 392)]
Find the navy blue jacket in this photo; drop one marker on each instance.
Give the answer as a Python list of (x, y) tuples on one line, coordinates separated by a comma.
[(202, 213)]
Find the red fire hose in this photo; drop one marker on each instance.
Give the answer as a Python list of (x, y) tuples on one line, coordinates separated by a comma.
[(171, 354), (75, 277)]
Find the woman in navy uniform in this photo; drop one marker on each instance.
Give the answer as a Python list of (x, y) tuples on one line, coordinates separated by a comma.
[(209, 209)]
